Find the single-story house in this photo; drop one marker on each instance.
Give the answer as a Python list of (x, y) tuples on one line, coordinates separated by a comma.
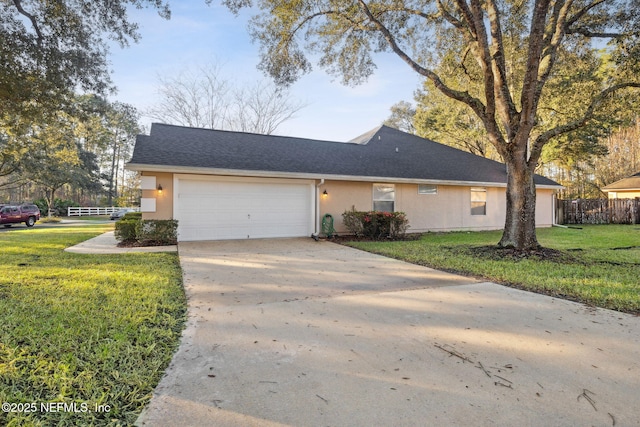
[(235, 185), (626, 188)]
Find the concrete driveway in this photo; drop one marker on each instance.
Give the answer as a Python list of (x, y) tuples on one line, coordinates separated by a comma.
[(303, 333)]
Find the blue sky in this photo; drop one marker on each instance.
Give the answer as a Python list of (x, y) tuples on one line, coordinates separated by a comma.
[(198, 34)]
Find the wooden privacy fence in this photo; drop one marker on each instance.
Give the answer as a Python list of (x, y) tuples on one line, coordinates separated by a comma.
[(598, 211)]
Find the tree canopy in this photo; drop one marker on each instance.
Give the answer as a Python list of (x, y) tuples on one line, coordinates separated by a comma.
[(500, 58), (108, 130), (402, 117), (80, 152), (49, 49)]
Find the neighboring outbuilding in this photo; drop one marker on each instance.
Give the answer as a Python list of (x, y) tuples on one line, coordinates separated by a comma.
[(234, 185), (626, 188)]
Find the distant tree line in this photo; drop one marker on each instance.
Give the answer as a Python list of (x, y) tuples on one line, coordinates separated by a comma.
[(76, 154), (54, 142)]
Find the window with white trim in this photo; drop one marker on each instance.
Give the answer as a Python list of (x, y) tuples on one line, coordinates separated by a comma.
[(478, 201), (427, 189), (384, 196)]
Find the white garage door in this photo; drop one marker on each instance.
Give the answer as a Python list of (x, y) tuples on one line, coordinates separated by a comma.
[(208, 209)]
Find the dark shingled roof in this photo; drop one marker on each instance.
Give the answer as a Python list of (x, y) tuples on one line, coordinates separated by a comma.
[(381, 153)]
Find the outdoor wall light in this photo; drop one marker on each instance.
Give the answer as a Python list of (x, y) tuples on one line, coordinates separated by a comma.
[(159, 189), (324, 194)]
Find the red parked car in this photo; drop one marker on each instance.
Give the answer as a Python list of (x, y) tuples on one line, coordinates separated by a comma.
[(12, 214)]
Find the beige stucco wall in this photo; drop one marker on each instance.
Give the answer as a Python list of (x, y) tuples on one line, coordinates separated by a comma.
[(164, 201), (449, 209), (342, 196), (545, 207), (623, 194)]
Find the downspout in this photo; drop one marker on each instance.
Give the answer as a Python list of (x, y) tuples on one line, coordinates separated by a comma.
[(316, 233)]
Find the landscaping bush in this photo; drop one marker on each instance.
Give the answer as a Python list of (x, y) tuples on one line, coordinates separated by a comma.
[(157, 232), (376, 225), (148, 232), (353, 221), (126, 230), (133, 215), (42, 205)]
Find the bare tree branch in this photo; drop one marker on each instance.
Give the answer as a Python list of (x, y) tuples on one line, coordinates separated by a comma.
[(448, 16), (505, 101), (531, 87), (30, 17), (582, 12), (204, 99), (473, 102)]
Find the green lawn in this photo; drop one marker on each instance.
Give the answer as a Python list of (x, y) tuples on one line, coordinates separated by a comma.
[(85, 330), (598, 265)]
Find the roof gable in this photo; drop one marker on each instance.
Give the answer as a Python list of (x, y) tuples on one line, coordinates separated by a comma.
[(630, 183), (383, 153)]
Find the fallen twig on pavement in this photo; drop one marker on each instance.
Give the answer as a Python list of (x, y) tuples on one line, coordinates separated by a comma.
[(588, 398), (454, 353), (504, 379), (325, 400), (485, 371), (503, 384)]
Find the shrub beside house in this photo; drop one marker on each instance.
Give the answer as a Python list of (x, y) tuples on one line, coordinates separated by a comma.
[(132, 230), (376, 225)]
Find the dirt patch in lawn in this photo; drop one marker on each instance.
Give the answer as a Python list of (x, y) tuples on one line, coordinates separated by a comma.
[(341, 239), (497, 253)]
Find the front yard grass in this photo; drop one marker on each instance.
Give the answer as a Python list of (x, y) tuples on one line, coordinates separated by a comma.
[(598, 265), (89, 331)]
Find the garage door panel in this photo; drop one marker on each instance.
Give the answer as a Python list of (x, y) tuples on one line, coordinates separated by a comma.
[(218, 209)]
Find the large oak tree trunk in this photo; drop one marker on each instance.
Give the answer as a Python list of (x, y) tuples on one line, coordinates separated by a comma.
[(520, 223)]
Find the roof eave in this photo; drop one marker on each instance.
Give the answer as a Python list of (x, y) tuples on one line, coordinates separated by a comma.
[(299, 175)]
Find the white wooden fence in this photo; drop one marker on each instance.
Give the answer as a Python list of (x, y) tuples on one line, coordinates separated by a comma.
[(84, 211)]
